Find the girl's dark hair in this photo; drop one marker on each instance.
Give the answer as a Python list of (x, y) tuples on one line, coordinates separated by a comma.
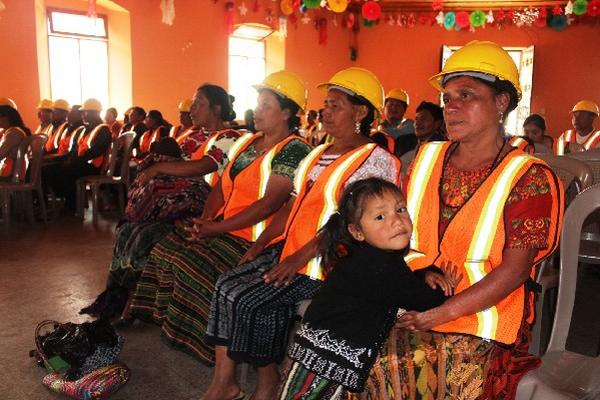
[(334, 236), (14, 118), (217, 96), (139, 111), (157, 117), (537, 120), (367, 122)]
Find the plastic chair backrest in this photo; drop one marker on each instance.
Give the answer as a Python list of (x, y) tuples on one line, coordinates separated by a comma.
[(592, 159), (20, 159), (582, 206), (37, 145), (575, 174), (125, 143)]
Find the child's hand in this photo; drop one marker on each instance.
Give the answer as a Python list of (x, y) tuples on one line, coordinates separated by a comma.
[(452, 274), (435, 280)]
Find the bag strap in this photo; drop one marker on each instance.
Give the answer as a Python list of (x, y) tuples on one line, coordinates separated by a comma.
[(38, 342)]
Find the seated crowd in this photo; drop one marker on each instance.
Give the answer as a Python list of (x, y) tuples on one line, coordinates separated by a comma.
[(382, 221)]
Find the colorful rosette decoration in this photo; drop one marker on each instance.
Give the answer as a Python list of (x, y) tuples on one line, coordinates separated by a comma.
[(311, 3), (449, 20), (368, 23), (371, 11), (462, 19), (286, 6), (477, 18), (580, 7), (593, 8), (337, 6), (559, 22), (542, 19)]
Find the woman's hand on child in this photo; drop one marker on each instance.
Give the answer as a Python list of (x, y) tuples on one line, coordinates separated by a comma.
[(452, 274)]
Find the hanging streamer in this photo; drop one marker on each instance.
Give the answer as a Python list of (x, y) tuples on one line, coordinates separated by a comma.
[(168, 11), (229, 17), (282, 26), (92, 9), (322, 26)]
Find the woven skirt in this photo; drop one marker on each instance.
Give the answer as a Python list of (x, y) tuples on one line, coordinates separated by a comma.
[(176, 287)]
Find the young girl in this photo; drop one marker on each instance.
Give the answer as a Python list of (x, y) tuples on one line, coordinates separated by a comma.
[(349, 318)]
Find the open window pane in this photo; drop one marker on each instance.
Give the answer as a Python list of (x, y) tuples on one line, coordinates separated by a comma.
[(94, 70), (246, 68), (64, 69)]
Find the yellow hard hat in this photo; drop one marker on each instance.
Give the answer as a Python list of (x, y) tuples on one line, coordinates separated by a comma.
[(398, 94), (6, 101), (361, 82), (45, 104), (586, 105), (61, 105), (91, 105), (287, 84), (480, 56), (185, 105)]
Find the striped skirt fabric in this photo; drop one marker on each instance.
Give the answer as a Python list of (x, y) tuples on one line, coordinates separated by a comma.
[(176, 287), (301, 384), (253, 318)]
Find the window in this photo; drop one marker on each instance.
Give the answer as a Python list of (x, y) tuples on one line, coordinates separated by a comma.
[(247, 64), (523, 58), (78, 50)]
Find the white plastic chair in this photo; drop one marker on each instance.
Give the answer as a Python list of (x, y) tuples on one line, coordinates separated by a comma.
[(122, 146), (565, 374)]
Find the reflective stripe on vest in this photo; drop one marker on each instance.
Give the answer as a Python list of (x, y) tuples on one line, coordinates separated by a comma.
[(174, 131), (592, 141), (562, 141), (181, 138), (148, 138), (84, 143), (518, 142), (481, 243), (422, 168), (210, 178), (324, 192)]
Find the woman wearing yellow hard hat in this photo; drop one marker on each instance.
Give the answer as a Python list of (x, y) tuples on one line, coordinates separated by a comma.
[(256, 182), (492, 212), (12, 132), (583, 136), (44, 114), (253, 305), (185, 121)]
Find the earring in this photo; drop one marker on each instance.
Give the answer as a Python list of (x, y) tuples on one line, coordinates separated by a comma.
[(501, 117), (357, 127)]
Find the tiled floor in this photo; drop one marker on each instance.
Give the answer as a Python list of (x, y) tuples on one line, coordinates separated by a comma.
[(50, 272)]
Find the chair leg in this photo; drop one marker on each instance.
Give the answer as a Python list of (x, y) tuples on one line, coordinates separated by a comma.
[(80, 195), (536, 329), (95, 189), (28, 201), (121, 190)]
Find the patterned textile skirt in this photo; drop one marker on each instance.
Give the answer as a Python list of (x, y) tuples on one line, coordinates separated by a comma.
[(176, 287), (134, 241), (429, 365), (300, 383), (253, 318)]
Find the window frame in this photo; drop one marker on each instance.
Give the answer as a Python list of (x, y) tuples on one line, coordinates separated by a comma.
[(52, 31)]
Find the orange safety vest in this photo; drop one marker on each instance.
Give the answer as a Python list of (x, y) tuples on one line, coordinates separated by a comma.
[(570, 136), (7, 164), (184, 135), (315, 203), (43, 131), (54, 137), (475, 238), (213, 177), (520, 144), (148, 138), (66, 142), (84, 143), (249, 185), (391, 143)]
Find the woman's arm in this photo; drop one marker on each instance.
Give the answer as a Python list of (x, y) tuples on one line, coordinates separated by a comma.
[(275, 228), (214, 202), (277, 192), (503, 280), (200, 167)]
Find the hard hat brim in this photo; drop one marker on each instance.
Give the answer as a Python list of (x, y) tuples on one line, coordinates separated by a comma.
[(324, 87), (436, 80)]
